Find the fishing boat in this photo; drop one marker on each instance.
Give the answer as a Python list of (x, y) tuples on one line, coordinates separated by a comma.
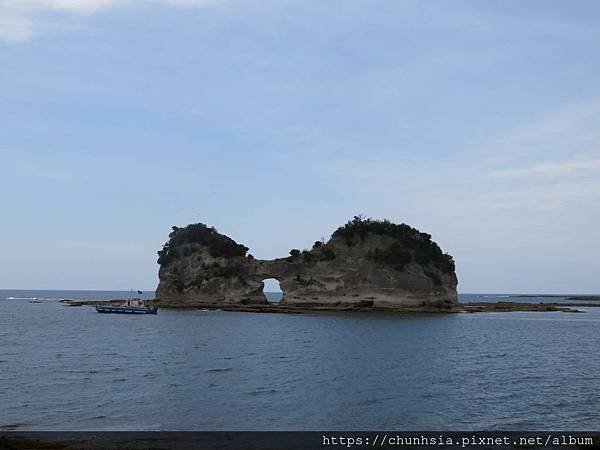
[(131, 306)]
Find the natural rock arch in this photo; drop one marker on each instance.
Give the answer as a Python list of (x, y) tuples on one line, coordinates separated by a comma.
[(365, 263), (272, 290)]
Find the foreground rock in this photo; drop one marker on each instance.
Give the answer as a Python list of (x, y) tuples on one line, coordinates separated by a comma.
[(365, 264)]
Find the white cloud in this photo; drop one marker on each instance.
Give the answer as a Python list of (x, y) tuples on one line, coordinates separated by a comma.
[(78, 6), (571, 130), (14, 27), (21, 20), (570, 167)]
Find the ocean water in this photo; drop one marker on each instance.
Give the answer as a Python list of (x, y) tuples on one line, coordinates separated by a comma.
[(69, 368), (494, 298)]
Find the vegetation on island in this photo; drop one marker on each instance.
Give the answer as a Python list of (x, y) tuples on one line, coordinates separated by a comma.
[(395, 255), (411, 244), (319, 252), (199, 233), (322, 253)]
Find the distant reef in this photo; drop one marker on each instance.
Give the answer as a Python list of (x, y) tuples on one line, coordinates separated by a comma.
[(367, 264)]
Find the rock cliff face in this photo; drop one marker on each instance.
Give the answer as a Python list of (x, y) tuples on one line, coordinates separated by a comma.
[(366, 263)]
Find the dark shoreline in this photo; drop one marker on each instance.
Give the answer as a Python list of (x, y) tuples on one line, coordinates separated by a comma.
[(288, 440), (566, 297), (289, 309)]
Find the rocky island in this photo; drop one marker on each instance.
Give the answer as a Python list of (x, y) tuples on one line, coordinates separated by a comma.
[(366, 264)]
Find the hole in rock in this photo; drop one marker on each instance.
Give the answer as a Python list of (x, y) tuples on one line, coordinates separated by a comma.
[(272, 291)]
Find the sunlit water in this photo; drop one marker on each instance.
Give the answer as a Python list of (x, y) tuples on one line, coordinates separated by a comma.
[(69, 368)]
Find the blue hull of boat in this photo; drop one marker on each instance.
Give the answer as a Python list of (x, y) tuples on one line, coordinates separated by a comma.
[(126, 309)]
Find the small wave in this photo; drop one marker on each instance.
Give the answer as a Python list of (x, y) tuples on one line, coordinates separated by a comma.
[(375, 401), (261, 392), (14, 426), (219, 370)]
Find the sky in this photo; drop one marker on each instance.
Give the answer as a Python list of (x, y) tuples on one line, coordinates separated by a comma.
[(277, 121)]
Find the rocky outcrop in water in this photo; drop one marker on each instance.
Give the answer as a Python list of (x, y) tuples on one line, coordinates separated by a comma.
[(366, 264)]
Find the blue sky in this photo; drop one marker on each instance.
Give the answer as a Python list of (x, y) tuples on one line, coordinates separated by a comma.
[(277, 121)]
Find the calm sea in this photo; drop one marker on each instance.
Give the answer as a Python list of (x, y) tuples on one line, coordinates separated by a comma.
[(69, 368)]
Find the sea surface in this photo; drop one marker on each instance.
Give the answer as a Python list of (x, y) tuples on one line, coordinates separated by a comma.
[(70, 368)]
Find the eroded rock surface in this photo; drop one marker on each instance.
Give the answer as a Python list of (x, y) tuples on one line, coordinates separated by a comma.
[(366, 263)]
